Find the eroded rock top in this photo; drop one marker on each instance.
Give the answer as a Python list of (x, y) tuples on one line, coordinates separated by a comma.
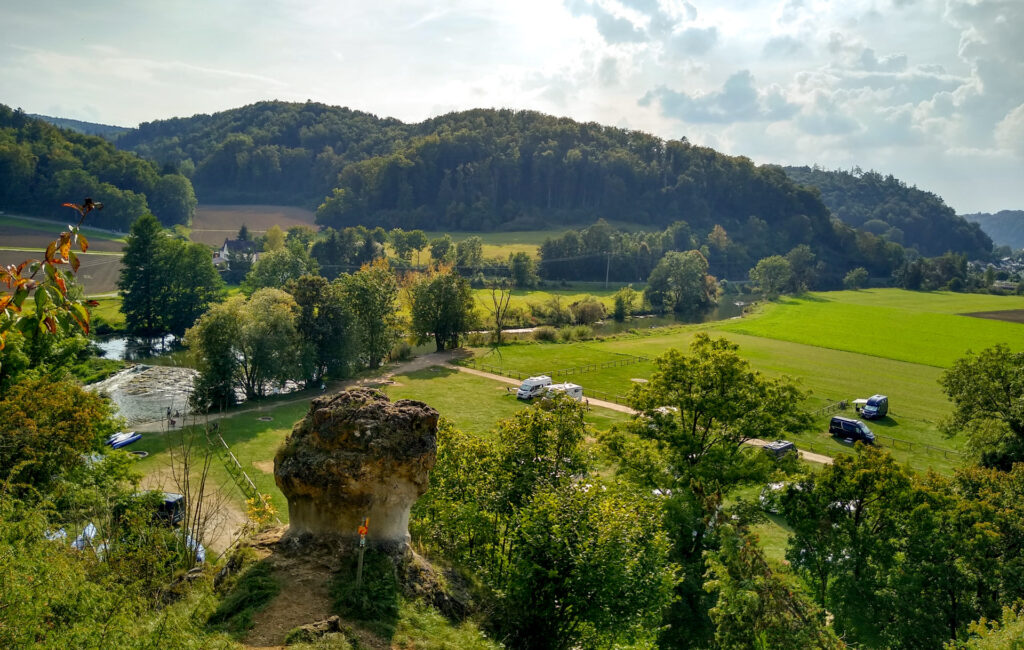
[(357, 454)]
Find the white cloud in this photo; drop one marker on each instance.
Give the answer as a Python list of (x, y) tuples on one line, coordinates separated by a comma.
[(929, 90)]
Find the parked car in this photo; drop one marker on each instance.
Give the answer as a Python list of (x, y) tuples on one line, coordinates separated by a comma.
[(533, 387), (851, 430)]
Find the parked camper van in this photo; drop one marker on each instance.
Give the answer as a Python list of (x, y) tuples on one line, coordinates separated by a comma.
[(574, 391), (875, 408), (533, 387), (852, 429)]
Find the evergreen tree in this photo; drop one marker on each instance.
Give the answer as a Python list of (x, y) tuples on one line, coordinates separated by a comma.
[(142, 278)]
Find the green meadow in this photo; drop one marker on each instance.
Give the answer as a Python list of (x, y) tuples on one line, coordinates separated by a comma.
[(838, 346), (926, 330)]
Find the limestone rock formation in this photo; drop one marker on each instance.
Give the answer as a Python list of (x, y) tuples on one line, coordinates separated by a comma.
[(357, 454)]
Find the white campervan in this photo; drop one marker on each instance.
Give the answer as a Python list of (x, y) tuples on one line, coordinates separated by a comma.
[(533, 387), (574, 391)]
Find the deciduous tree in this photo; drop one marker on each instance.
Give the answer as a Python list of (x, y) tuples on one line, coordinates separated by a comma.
[(442, 305)]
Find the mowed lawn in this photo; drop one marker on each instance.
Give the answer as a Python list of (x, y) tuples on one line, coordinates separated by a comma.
[(909, 349), (918, 327), (474, 404), (253, 441)]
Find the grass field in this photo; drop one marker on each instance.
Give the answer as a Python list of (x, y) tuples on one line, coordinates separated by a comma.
[(908, 375), (253, 442), (904, 325), (473, 404)]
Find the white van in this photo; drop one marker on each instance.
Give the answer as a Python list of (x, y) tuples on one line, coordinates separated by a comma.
[(533, 387), (574, 391)]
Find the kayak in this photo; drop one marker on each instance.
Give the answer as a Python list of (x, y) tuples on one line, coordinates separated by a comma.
[(123, 439)]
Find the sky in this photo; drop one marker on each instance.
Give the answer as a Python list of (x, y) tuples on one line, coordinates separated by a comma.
[(931, 91)]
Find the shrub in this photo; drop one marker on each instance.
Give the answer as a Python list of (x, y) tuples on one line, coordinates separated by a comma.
[(588, 311), (402, 351), (375, 602), (545, 333), (582, 333), (254, 591)]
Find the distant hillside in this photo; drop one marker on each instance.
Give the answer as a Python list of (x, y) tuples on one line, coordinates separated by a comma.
[(476, 170), (271, 152), (886, 206), (105, 131), (42, 167), (1006, 227)]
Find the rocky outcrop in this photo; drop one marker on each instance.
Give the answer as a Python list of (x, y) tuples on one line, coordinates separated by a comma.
[(357, 454)]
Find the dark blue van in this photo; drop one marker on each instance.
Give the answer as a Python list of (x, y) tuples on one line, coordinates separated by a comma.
[(876, 408)]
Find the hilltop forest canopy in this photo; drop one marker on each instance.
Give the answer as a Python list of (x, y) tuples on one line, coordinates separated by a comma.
[(474, 170), (42, 165), (888, 207)]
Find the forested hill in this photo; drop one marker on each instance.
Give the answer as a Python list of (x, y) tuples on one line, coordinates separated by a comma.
[(1006, 227), (105, 131), (886, 206), (42, 166), (473, 170), (270, 152)]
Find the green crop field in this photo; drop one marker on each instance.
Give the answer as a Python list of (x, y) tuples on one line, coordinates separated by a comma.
[(873, 323)]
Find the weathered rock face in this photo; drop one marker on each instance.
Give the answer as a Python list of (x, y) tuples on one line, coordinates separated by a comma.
[(356, 454)]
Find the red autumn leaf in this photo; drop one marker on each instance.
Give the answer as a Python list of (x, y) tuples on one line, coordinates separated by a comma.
[(83, 243), (93, 303), (50, 324), (63, 287)]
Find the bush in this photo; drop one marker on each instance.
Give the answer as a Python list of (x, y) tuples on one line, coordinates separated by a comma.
[(588, 311), (545, 333), (582, 333), (375, 602), (254, 591), (402, 351)]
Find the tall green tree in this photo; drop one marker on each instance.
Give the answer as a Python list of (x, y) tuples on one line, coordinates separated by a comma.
[(141, 283), (574, 562), (697, 411), (442, 307), (442, 250), (469, 254), (680, 283), (772, 275), (987, 391), (757, 606), (190, 284), (254, 339), (275, 269), (327, 326), (524, 273), (372, 294)]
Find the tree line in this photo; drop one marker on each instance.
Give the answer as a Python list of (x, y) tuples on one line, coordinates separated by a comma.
[(41, 164)]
